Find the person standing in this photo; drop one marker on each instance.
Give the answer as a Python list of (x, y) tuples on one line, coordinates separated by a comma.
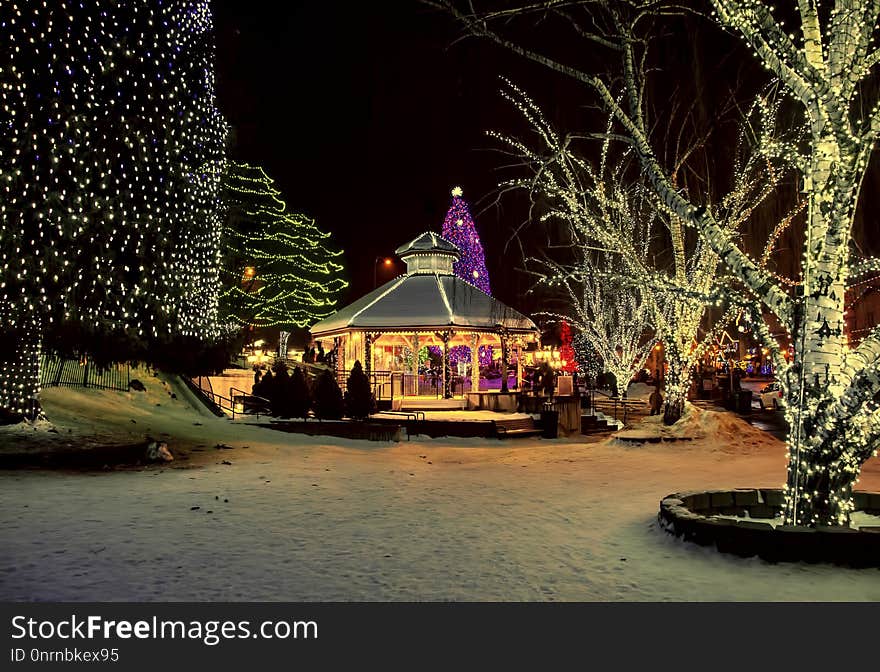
[(655, 401)]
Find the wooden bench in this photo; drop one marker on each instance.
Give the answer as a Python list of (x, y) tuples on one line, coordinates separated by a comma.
[(518, 427)]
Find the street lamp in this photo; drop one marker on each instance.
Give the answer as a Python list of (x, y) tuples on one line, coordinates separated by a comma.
[(386, 262)]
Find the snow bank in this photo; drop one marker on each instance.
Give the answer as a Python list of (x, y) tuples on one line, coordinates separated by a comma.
[(696, 423), (287, 517)]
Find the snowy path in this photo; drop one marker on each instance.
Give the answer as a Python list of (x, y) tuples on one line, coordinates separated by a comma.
[(471, 520)]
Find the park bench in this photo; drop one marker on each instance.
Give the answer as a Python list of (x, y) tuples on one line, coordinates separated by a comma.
[(519, 427), (415, 416)]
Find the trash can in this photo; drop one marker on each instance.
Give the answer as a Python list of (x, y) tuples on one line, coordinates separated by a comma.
[(549, 424), (745, 401)]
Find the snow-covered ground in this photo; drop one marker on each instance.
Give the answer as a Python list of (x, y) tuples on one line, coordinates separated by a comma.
[(307, 518)]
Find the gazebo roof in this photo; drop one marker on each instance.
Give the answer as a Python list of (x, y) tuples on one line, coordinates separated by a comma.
[(425, 301), (428, 297)]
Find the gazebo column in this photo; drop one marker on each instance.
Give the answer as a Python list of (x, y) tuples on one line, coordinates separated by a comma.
[(475, 363), (519, 368), (368, 354), (503, 335), (447, 373), (415, 363), (416, 346)]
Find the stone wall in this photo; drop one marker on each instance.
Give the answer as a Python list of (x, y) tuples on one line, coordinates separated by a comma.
[(696, 517)]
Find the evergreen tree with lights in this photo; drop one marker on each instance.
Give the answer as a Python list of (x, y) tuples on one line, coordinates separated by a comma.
[(279, 268), (459, 228), (109, 185)]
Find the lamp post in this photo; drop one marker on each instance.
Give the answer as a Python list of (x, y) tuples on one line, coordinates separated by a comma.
[(386, 261)]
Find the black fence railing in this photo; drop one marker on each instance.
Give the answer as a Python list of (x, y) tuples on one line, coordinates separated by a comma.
[(238, 402), (59, 372)]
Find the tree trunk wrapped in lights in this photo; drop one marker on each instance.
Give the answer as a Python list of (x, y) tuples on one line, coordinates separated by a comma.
[(826, 62), (19, 364)]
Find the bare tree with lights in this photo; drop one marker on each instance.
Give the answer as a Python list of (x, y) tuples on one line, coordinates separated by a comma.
[(614, 319), (604, 211), (826, 62)]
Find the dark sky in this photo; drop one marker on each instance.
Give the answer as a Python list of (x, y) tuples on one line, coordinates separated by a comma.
[(367, 116)]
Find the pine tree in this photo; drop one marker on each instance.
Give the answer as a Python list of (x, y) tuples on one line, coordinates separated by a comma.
[(281, 397), (358, 395), (277, 266), (588, 360), (109, 166)]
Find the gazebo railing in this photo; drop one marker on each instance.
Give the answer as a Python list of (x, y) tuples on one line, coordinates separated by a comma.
[(396, 384)]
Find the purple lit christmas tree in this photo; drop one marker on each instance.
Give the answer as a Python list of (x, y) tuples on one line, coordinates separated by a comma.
[(459, 228)]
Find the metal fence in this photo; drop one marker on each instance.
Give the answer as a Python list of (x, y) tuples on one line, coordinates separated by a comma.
[(58, 372)]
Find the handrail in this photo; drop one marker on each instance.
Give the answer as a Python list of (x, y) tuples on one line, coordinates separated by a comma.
[(625, 404), (250, 395)]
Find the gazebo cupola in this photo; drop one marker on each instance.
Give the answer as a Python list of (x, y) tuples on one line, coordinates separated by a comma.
[(429, 253)]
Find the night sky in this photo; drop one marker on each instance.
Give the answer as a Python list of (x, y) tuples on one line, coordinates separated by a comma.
[(367, 116)]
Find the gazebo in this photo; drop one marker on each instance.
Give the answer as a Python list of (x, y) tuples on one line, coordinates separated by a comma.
[(428, 305)]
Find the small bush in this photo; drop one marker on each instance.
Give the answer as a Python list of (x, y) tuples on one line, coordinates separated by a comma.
[(358, 395), (281, 407), (328, 403), (266, 387), (299, 395)]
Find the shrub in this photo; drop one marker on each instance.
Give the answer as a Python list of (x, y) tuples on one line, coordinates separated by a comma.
[(358, 395), (328, 402), (299, 395), (281, 391)]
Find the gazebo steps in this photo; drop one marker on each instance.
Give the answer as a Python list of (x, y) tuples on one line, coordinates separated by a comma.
[(417, 404)]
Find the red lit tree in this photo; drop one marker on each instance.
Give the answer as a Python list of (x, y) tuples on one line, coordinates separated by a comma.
[(566, 351)]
